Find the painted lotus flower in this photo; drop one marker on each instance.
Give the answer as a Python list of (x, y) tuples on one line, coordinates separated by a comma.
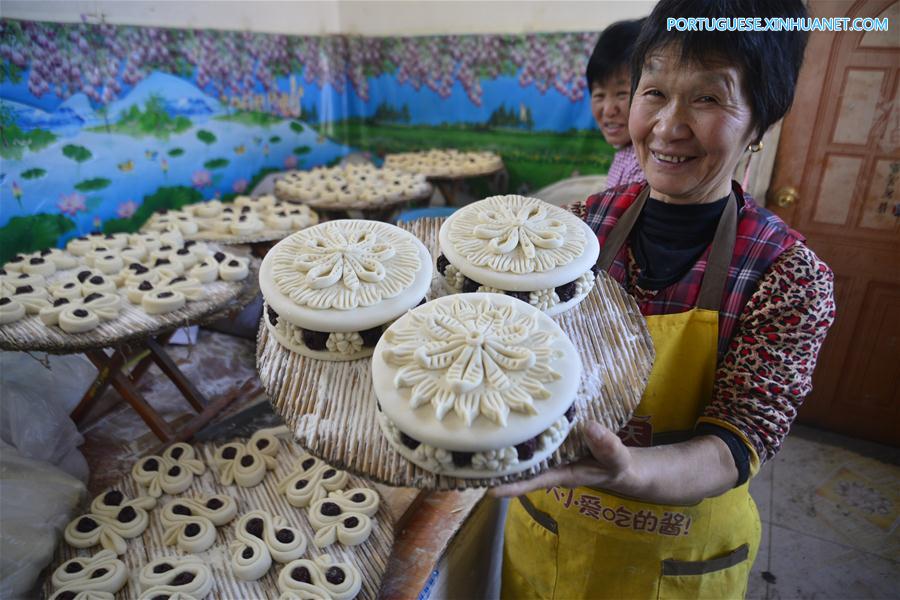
[(71, 204), (290, 162), (201, 179), (240, 186), (126, 209)]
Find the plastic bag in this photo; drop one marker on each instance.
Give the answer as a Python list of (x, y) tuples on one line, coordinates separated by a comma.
[(38, 500), (36, 401)]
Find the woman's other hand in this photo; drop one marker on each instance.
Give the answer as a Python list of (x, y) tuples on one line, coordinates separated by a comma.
[(682, 473), (610, 466)]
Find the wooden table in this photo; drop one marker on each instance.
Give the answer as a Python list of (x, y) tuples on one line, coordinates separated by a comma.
[(112, 370), (123, 349)]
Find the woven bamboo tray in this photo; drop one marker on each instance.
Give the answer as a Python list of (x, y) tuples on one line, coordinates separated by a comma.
[(378, 205), (30, 333), (331, 405), (461, 176), (370, 557)]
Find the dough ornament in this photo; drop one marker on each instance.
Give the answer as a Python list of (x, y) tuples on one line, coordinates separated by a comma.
[(67, 288), (469, 384), (344, 516), (12, 280), (320, 578), (10, 310), (32, 298), (176, 577), (78, 315), (62, 260), (247, 464), (38, 265), (520, 246), (261, 538), (111, 520), (473, 358), (311, 481), (191, 523), (102, 572), (205, 271), (171, 473)]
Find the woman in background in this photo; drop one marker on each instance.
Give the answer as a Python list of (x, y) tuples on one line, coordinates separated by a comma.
[(737, 306), (609, 80)]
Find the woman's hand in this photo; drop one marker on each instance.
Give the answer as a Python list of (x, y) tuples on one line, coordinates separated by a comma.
[(683, 473), (611, 466)]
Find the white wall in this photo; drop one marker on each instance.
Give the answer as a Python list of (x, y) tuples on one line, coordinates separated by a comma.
[(369, 18)]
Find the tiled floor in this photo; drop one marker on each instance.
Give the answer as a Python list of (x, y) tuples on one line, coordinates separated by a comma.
[(830, 509)]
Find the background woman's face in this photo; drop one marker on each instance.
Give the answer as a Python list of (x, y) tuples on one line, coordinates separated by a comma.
[(609, 105), (690, 124)]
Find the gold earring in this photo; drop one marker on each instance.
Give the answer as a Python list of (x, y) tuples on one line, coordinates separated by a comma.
[(755, 147)]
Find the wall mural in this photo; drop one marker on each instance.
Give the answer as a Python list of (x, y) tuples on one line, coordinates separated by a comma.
[(102, 124)]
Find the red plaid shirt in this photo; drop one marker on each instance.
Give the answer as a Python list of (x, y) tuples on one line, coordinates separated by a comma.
[(761, 238)]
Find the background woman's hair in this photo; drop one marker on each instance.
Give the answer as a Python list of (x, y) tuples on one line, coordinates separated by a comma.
[(769, 61), (612, 51)]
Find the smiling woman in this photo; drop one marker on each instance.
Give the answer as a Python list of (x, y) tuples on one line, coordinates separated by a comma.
[(690, 125), (737, 307)]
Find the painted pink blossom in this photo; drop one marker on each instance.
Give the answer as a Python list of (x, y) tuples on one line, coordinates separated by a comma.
[(97, 223), (201, 179), (71, 204), (290, 162), (126, 209), (240, 186)]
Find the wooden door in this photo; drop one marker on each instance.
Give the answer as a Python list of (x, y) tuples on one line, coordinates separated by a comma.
[(840, 149)]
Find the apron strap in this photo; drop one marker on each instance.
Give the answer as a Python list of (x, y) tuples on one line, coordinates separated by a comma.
[(716, 274), (621, 230)]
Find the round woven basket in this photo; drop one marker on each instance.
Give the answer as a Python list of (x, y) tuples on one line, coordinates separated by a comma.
[(331, 406), (30, 333)]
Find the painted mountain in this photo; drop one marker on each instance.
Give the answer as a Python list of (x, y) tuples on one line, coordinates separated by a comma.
[(179, 97), (76, 112)]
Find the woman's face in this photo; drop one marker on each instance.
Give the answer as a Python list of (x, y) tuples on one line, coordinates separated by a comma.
[(690, 124), (609, 105)]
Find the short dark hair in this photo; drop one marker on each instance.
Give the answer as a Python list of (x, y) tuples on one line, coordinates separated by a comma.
[(612, 51), (769, 61)]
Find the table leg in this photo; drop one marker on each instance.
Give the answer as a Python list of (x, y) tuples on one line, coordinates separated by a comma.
[(111, 367), (156, 423), (144, 364), (106, 367), (499, 183), (168, 366), (448, 191)]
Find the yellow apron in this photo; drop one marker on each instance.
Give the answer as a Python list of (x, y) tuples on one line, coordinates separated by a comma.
[(589, 543)]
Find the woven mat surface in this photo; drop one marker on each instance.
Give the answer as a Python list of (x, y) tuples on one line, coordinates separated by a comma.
[(462, 176), (370, 557), (381, 204), (266, 235), (30, 333), (331, 405)]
